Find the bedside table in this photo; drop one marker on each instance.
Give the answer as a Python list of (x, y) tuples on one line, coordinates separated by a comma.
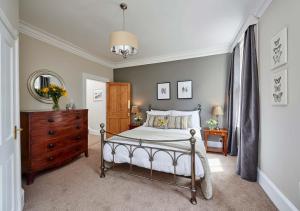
[(132, 126), (223, 133)]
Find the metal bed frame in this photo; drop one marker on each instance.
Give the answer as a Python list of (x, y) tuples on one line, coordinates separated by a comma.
[(152, 151)]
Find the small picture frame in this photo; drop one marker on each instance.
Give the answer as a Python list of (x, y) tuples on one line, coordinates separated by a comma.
[(185, 89), (279, 88), (163, 91), (98, 95), (279, 49)]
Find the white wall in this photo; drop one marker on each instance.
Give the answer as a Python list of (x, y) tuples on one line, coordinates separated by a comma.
[(11, 11), (36, 55), (279, 156), (97, 109)]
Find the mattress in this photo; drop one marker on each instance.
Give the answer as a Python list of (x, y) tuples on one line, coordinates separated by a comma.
[(162, 161)]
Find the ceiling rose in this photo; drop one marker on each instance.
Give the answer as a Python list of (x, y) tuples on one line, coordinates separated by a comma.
[(122, 42)]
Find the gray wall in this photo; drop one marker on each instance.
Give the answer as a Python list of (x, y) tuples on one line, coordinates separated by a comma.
[(280, 144), (208, 75)]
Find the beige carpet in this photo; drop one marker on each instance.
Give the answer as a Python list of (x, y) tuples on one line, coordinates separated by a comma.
[(77, 186)]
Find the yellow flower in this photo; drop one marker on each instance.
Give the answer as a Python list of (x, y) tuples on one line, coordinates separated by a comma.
[(64, 93), (45, 90)]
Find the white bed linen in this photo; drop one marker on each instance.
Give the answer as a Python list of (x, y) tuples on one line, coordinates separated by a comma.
[(162, 161)]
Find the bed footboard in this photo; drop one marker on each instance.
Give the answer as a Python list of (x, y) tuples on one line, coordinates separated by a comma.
[(174, 154)]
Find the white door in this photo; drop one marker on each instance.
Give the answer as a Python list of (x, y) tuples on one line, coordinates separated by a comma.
[(10, 175)]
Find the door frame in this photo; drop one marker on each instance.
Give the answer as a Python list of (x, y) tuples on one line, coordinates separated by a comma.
[(86, 76), (15, 36)]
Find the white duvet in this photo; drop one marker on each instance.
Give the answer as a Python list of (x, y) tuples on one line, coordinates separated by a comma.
[(162, 161)]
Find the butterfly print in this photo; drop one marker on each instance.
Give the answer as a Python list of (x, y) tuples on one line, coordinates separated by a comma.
[(277, 51), (185, 89), (277, 88), (277, 80), (277, 97)]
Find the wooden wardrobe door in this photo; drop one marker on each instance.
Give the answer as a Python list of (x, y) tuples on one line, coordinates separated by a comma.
[(118, 107)]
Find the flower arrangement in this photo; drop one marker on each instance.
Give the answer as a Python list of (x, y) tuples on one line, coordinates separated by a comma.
[(138, 118), (212, 124), (55, 92)]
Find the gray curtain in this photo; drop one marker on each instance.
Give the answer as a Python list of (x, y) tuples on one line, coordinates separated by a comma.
[(232, 101), (249, 117)]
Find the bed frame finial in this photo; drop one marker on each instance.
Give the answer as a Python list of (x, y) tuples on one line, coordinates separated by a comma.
[(102, 167), (149, 107)]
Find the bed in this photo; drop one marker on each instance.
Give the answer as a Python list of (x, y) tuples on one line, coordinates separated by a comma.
[(180, 152)]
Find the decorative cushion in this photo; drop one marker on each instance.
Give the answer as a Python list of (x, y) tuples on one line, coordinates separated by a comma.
[(161, 122), (195, 121), (179, 122), (156, 121)]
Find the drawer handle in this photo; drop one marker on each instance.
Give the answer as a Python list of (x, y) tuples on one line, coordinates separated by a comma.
[(77, 137), (77, 117), (50, 120), (51, 132), (50, 158), (78, 127), (50, 146)]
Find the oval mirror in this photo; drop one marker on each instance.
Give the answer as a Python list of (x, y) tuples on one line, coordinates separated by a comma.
[(41, 79)]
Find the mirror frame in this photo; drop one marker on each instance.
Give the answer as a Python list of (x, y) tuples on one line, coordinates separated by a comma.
[(34, 76)]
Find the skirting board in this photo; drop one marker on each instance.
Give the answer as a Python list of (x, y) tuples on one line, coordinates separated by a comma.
[(94, 132), (278, 198)]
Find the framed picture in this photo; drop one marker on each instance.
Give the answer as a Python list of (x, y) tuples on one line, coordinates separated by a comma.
[(98, 94), (279, 87), (184, 89), (279, 49), (163, 91)]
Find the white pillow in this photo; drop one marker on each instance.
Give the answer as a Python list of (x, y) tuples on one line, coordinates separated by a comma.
[(158, 112), (194, 114)]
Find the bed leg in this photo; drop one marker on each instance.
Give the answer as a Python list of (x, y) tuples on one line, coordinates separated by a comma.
[(193, 173), (102, 167)]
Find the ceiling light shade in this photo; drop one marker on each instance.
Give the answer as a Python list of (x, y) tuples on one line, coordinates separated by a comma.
[(123, 43)]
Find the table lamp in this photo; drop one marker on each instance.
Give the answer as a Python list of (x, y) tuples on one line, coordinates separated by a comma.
[(136, 111), (218, 111)]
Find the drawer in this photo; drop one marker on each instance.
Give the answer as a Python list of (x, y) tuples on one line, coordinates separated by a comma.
[(57, 158), (39, 135), (42, 147)]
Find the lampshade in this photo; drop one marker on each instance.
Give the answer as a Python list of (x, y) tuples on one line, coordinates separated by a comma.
[(123, 43), (218, 111), (134, 109)]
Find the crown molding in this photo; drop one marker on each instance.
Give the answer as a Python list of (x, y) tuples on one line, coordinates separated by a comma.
[(262, 8), (53, 40), (222, 49), (13, 32)]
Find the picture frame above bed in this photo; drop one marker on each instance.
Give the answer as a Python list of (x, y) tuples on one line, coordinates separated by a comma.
[(164, 91), (185, 89)]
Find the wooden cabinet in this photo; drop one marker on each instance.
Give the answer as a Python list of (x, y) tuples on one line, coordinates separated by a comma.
[(52, 138), (223, 133), (118, 107)]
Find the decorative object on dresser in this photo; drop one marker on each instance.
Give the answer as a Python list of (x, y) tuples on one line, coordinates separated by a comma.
[(185, 89), (164, 91), (217, 112), (41, 79), (132, 126), (223, 133), (51, 139), (54, 92)]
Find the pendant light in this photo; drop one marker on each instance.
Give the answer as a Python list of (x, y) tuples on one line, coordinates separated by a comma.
[(122, 42)]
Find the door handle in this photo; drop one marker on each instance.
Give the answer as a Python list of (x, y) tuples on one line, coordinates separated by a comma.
[(16, 130)]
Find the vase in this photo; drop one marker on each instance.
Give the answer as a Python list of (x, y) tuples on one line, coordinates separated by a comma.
[(55, 106)]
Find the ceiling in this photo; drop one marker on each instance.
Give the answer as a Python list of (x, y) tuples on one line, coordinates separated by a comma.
[(164, 28)]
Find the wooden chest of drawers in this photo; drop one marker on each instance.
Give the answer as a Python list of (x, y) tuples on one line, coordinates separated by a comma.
[(52, 138)]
